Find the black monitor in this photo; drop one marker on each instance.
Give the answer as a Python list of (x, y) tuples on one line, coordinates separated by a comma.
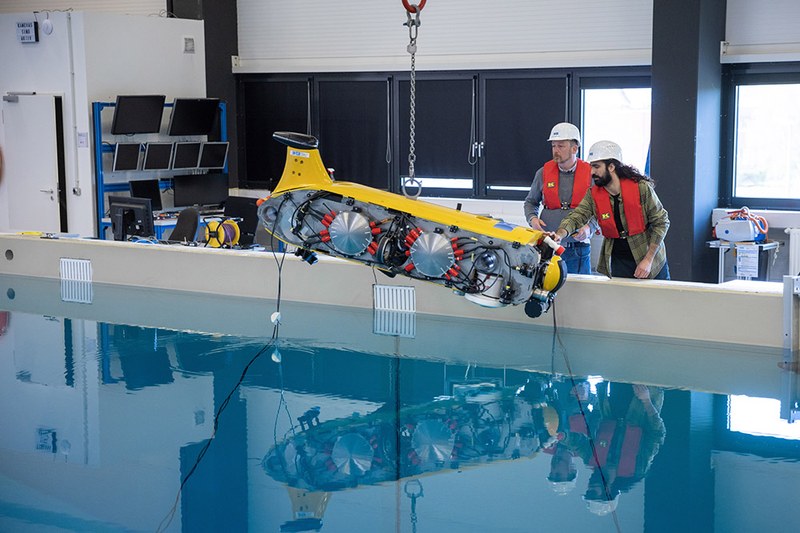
[(126, 156), (246, 209), (186, 155), (193, 116), (139, 113), (213, 155), (157, 156), (149, 189), (208, 190), (130, 216)]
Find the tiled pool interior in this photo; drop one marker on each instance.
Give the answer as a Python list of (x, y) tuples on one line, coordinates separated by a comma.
[(109, 408)]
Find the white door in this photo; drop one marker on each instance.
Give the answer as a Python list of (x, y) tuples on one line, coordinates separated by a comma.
[(39, 349), (31, 162)]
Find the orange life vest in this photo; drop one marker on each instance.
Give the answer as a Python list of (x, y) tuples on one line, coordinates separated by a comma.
[(631, 442), (631, 203), (580, 184), (629, 450)]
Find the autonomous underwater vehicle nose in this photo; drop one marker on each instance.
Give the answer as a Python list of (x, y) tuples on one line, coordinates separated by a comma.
[(490, 262)]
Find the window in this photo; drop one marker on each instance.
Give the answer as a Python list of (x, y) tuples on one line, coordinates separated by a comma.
[(760, 416), (270, 106), (766, 161), (621, 115), (443, 134), (354, 129), (519, 112)]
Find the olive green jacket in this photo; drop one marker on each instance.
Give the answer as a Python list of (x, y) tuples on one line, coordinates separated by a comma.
[(655, 218)]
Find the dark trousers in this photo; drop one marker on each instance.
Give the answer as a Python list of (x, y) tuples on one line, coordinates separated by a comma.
[(578, 258), (624, 267)]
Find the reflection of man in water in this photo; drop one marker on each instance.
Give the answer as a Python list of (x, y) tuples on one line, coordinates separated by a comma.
[(573, 400), (627, 436), (563, 469)]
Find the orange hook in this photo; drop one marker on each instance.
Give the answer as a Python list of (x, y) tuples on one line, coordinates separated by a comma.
[(414, 8)]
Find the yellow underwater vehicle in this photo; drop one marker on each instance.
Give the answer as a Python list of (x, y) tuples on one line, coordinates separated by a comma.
[(489, 261)]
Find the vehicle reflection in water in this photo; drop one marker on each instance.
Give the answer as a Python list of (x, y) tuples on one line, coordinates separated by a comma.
[(616, 434)]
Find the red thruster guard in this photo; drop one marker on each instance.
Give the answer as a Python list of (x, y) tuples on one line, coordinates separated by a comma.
[(324, 236), (409, 267), (375, 230), (457, 252), (412, 236), (327, 219)]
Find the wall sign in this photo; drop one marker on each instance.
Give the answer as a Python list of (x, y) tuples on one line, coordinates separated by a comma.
[(28, 32)]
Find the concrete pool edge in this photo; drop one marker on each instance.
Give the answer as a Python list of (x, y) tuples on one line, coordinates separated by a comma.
[(747, 313)]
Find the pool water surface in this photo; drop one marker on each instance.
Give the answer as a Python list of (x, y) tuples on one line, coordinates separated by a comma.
[(143, 410)]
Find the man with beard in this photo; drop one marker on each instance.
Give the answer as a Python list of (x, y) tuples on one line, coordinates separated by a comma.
[(557, 188), (631, 218)]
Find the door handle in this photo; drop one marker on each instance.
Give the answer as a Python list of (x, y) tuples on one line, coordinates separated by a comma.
[(48, 191)]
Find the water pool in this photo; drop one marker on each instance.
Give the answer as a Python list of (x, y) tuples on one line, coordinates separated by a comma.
[(109, 409)]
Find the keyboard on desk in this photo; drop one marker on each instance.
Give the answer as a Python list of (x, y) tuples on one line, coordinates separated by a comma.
[(169, 214)]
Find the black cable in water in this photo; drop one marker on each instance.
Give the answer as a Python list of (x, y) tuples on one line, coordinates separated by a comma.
[(595, 457), (167, 520), (171, 513)]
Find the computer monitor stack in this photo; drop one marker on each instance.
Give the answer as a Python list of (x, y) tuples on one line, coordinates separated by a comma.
[(171, 156)]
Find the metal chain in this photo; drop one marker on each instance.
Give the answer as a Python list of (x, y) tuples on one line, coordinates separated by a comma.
[(413, 489), (412, 156), (413, 28)]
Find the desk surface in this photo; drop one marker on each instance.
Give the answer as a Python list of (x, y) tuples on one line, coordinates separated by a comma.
[(767, 245)]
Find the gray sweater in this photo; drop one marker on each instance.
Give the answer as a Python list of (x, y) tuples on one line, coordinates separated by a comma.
[(534, 206)]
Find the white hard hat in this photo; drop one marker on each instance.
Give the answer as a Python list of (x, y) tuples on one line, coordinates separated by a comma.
[(564, 131), (602, 507), (562, 488), (602, 150)]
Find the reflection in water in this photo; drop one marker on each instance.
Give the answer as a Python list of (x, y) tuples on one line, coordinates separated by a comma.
[(618, 435), (103, 422)]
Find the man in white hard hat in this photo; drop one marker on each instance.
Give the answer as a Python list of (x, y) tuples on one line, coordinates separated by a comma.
[(626, 439), (556, 189), (631, 217)]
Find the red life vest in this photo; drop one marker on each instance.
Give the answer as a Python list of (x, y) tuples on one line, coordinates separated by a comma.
[(580, 184), (631, 203), (631, 442)]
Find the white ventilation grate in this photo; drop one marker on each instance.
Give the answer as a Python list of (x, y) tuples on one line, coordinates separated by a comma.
[(76, 269), (394, 323), (394, 311), (76, 280), (391, 298)]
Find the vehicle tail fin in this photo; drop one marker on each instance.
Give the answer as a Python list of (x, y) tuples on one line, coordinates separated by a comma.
[(304, 167)]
